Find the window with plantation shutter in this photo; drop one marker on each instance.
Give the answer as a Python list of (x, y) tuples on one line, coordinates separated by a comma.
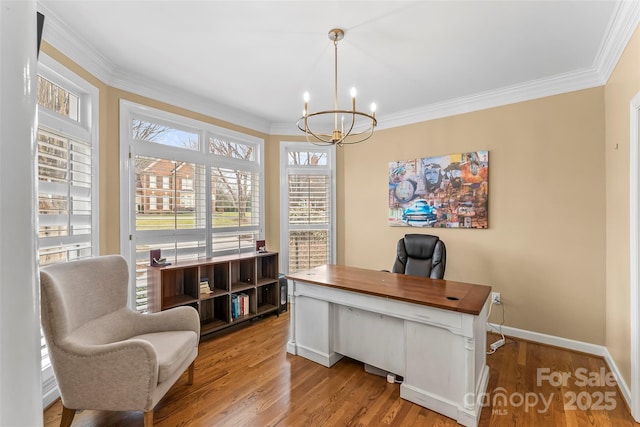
[(64, 197), (67, 188), (193, 190), (307, 198)]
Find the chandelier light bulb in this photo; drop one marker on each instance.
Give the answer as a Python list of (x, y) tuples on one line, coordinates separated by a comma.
[(353, 92), (306, 104), (373, 107)]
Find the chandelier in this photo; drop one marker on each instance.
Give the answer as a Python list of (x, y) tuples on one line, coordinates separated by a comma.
[(329, 127)]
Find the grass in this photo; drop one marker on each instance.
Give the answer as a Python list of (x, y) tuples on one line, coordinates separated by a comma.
[(185, 221)]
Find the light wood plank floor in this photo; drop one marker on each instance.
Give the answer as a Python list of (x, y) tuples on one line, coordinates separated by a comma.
[(246, 378)]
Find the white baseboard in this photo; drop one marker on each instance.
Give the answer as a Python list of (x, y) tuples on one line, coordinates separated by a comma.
[(622, 385), (569, 344), (50, 392)]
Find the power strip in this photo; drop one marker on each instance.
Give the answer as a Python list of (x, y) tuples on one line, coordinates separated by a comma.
[(496, 345)]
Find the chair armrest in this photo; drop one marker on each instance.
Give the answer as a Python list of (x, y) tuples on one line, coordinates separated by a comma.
[(174, 319), (116, 376)]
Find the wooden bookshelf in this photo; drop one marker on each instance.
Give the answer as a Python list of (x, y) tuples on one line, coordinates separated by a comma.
[(252, 274)]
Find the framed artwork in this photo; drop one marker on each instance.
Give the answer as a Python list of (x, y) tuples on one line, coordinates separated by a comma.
[(447, 191)]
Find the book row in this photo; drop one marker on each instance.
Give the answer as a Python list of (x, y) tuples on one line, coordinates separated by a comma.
[(239, 305)]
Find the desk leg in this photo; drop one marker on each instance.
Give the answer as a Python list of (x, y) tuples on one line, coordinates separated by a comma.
[(291, 345), (470, 376)]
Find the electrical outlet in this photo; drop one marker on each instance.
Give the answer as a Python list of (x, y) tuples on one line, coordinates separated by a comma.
[(495, 298)]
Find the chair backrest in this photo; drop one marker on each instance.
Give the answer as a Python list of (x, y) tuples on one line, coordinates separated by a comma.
[(77, 292), (421, 255)]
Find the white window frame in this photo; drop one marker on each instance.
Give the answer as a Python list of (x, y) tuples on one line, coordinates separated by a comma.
[(287, 147), (129, 150), (86, 128)]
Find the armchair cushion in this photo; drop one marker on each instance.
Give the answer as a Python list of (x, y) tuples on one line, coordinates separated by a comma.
[(172, 349)]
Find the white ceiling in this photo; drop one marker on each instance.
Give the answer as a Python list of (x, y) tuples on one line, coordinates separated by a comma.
[(250, 61)]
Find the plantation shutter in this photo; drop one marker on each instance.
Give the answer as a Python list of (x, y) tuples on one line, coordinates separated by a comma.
[(64, 198), (309, 221)]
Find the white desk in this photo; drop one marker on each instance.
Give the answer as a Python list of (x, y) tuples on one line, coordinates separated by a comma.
[(431, 332)]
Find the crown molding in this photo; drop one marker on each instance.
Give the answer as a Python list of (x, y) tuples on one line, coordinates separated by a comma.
[(555, 85), (63, 38), (178, 97), (623, 23)]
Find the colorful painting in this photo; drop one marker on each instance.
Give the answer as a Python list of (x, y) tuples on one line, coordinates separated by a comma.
[(448, 191)]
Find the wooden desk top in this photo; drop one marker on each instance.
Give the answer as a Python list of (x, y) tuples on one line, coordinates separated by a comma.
[(444, 294)]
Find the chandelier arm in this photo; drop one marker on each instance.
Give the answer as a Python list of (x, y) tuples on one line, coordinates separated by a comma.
[(353, 122), (324, 138)]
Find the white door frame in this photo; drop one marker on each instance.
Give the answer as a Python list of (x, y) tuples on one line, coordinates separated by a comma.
[(634, 254)]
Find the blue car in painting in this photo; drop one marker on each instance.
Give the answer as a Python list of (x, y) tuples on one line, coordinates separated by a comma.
[(419, 213)]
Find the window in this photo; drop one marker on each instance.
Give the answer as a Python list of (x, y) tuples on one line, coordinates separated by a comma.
[(210, 200), (187, 184), (307, 197), (58, 99), (67, 159)]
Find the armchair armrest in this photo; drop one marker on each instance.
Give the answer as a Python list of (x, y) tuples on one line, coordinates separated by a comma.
[(174, 319)]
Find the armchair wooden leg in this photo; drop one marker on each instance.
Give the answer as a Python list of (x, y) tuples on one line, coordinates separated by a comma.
[(148, 418), (67, 416), (191, 370)]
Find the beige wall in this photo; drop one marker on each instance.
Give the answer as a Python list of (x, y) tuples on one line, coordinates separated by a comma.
[(544, 247), (622, 86)]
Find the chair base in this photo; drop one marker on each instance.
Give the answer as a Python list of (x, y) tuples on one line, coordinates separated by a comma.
[(190, 372)]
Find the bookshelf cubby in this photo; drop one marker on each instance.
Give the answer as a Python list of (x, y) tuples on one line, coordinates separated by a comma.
[(253, 274)]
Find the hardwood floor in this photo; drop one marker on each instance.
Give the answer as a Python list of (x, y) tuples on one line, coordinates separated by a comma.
[(246, 378)]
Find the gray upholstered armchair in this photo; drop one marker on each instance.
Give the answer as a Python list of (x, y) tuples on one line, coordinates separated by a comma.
[(421, 255), (106, 356)]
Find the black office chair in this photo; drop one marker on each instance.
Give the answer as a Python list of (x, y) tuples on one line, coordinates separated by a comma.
[(421, 255)]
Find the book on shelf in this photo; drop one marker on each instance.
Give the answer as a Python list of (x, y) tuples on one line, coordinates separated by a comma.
[(244, 300), (204, 286), (235, 308)]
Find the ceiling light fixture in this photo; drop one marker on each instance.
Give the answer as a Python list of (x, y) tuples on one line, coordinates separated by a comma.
[(359, 126)]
